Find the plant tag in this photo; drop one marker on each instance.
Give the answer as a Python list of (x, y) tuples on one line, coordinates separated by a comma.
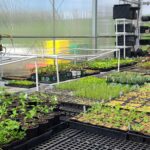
[(71, 93), (50, 87), (121, 93), (129, 126), (26, 96), (84, 109)]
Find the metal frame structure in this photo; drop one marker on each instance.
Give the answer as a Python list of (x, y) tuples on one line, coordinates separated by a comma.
[(124, 33), (10, 59), (94, 35), (138, 3), (89, 57)]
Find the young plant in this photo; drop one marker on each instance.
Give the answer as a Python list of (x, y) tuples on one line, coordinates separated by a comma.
[(128, 78), (94, 88), (10, 131), (54, 100), (31, 113), (21, 83), (3, 111), (14, 113)]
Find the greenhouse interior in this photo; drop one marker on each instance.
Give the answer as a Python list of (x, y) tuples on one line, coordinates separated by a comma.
[(75, 75)]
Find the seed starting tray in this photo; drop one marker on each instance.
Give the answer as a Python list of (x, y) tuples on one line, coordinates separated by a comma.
[(75, 137)]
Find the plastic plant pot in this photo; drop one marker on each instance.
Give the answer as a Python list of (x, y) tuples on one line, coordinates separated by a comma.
[(74, 74), (78, 73)]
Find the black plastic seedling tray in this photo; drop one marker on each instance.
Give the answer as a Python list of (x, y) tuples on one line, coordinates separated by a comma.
[(40, 139), (21, 86), (72, 109), (78, 136)]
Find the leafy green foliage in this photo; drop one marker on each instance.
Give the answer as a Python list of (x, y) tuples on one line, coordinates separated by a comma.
[(10, 131), (145, 65), (128, 78), (108, 63), (21, 82), (51, 69), (95, 88), (115, 117), (31, 113)]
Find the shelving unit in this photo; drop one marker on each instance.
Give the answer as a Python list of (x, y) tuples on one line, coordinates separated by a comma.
[(145, 38), (133, 15), (124, 33)]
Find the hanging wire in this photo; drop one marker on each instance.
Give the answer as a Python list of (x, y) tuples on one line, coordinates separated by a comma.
[(60, 5), (5, 10), (56, 10)]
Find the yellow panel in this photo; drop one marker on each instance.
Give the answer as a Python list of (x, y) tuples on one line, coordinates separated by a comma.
[(61, 46)]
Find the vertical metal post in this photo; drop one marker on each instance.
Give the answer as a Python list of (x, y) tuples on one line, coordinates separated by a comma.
[(75, 59), (54, 43), (57, 69), (124, 45), (118, 59), (94, 23), (116, 36), (1, 68), (84, 109), (36, 75), (138, 25)]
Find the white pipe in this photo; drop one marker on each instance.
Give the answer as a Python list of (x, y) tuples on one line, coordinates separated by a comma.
[(16, 61), (1, 67), (52, 56), (118, 60), (19, 56), (116, 35), (61, 56), (84, 49), (36, 73), (57, 70), (124, 39), (100, 55)]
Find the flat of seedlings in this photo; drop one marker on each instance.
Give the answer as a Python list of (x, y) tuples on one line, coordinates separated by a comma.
[(15, 89), (136, 69), (139, 100), (76, 139)]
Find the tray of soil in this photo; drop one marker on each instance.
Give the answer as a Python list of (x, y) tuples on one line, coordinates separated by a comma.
[(73, 134), (14, 78), (78, 136), (135, 124), (21, 83)]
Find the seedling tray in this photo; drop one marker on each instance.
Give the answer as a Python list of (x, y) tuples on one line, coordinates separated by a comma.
[(115, 133), (77, 136), (40, 139), (21, 86), (72, 109), (14, 78)]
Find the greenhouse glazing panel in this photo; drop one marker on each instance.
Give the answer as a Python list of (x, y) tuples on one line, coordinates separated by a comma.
[(105, 21), (26, 17), (106, 43), (73, 17), (42, 46)]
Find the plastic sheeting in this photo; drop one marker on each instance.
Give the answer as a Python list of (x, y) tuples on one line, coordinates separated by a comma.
[(66, 18), (26, 17), (35, 17)]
